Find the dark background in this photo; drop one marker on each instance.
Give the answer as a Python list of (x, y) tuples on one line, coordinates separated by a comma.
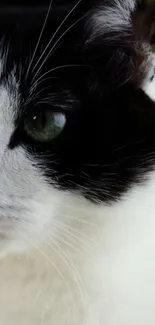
[(34, 2), (32, 10), (30, 3)]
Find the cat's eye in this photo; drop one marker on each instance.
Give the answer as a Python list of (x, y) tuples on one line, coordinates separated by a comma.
[(44, 126)]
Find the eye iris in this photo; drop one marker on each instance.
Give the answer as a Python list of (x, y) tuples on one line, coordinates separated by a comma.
[(45, 126), (38, 122)]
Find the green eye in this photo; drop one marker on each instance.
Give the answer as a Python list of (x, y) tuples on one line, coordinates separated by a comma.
[(44, 126)]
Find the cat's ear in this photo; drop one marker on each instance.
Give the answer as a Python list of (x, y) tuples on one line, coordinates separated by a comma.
[(111, 19), (120, 33), (109, 40)]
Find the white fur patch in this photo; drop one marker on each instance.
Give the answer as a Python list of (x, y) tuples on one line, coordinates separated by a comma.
[(96, 268)]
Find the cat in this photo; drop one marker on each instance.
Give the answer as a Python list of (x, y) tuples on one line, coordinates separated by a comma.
[(77, 163)]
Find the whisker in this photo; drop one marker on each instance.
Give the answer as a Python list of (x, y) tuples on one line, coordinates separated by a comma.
[(74, 245), (60, 67), (53, 49), (34, 95), (93, 225), (39, 39), (72, 268), (73, 241), (35, 85), (65, 257), (57, 30), (64, 241), (86, 246), (50, 262), (79, 232)]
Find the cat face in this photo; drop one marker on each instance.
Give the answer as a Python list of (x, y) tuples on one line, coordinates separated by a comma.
[(76, 128)]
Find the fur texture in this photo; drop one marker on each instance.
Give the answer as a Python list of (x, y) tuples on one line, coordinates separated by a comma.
[(77, 214)]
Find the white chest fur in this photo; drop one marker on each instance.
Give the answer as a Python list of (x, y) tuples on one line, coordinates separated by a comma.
[(102, 274)]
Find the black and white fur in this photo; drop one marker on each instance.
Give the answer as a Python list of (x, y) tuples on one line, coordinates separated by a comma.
[(77, 215)]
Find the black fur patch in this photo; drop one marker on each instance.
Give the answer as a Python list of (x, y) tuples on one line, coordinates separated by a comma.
[(108, 143)]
